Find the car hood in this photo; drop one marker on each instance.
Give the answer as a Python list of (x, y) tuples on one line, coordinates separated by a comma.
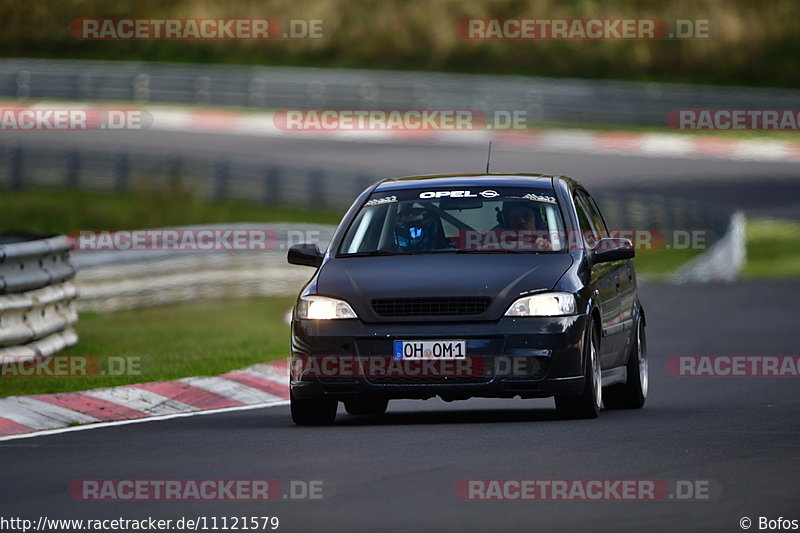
[(499, 277)]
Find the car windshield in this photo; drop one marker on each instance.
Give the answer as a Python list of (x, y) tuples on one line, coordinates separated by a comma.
[(456, 220)]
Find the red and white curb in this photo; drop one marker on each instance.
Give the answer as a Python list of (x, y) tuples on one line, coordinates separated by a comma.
[(259, 385), (675, 145), (555, 140)]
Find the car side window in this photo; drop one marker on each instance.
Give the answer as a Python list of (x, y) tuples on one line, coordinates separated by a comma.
[(594, 214), (590, 233)]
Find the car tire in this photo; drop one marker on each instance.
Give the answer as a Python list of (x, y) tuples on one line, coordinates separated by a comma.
[(633, 393), (313, 411), (587, 404), (366, 406)]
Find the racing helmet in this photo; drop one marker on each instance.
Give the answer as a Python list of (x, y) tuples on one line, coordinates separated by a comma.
[(416, 229)]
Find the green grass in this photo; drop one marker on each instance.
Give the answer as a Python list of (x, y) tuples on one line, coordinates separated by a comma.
[(656, 264), (210, 338), (773, 252), (773, 246), (773, 249), (62, 211), (201, 338)]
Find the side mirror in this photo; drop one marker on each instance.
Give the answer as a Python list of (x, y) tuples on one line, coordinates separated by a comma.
[(305, 254), (607, 250)]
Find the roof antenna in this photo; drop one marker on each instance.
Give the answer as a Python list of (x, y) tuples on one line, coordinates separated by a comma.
[(489, 157)]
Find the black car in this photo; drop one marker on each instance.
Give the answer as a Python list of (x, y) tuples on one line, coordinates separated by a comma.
[(463, 286)]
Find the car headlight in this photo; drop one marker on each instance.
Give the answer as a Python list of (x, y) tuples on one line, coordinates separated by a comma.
[(544, 304), (323, 308)]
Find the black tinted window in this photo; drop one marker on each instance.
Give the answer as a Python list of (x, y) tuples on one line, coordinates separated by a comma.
[(462, 219), (594, 213), (591, 232)]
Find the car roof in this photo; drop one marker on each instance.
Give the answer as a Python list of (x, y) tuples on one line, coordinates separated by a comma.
[(466, 180)]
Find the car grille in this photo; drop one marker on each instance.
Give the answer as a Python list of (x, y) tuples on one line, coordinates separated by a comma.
[(462, 306), (430, 380)]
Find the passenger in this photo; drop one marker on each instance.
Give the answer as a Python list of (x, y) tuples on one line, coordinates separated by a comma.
[(522, 217)]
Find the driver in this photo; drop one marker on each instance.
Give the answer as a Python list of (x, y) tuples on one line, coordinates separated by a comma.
[(416, 229)]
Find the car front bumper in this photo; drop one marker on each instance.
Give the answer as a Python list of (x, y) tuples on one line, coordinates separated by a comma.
[(530, 357)]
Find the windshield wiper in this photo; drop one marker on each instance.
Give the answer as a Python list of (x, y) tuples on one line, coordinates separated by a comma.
[(495, 251), (370, 253)]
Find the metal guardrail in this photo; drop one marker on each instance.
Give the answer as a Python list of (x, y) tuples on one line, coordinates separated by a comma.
[(28, 263), (30, 165), (114, 280), (543, 99), (36, 298), (273, 184), (722, 261)]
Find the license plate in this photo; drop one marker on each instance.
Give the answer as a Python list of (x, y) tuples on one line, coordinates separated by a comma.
[(442, 349)]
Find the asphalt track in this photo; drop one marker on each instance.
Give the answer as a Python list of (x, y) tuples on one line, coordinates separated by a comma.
[(759, 188), (398, 472)]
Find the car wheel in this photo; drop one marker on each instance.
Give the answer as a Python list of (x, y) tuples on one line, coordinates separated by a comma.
[(313, 412), (587, 404), (366, 406), (632, 394)]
